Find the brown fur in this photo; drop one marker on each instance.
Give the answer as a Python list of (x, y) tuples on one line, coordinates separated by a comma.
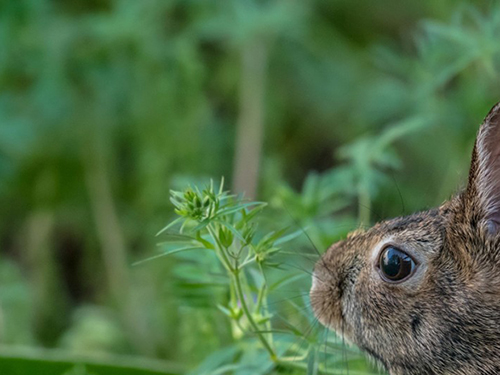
[(445, 319)]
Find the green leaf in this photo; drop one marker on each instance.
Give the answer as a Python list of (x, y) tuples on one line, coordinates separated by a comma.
[(205, 243), (179, 219), (312, 362), (238, 207), (201, 225), (236, 233), (249, 216), (226, 237), (289, 237), (216, 360), (269, 239), (286, 280), (170, 252), (224, 310)]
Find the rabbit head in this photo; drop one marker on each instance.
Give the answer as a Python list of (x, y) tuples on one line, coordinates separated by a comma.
[(421, 294)]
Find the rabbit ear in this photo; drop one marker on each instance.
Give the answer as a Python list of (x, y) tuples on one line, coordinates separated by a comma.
[(482, 198)]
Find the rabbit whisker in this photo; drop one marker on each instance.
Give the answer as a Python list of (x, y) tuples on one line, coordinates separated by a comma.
[(296, 222)]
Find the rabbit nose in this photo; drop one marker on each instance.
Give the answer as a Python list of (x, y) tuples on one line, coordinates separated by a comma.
[(325, 294), (324, 277)]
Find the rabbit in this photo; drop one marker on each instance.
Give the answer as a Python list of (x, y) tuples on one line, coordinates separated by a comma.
[(421, 294)]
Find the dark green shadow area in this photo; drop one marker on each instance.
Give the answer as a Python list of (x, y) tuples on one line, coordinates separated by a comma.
[(48, 362)]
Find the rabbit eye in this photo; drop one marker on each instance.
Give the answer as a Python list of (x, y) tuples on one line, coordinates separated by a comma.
[(395, 265)]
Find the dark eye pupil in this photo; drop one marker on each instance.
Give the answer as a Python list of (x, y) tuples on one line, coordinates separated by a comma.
[(396, 264)]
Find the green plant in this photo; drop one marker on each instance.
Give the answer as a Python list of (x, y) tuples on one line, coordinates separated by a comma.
[(226, 226)]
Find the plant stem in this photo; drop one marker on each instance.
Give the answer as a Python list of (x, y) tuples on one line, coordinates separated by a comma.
[(247, 262), (262, 302), (220, 250), (246, 311), (260, 296)]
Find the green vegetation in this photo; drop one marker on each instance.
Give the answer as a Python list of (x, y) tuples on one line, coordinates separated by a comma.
[(335, 113), (251, 270)]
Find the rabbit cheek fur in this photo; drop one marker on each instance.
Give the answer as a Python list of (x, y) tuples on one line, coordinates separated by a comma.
[(445, 318)]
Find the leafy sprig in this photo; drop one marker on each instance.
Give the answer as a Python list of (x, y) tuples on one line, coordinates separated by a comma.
[(227, 225), (212, 220)]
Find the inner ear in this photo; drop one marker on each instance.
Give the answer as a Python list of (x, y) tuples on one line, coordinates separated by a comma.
[(483, 191)]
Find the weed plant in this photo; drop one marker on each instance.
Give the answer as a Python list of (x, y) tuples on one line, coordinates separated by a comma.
[(264, 338)]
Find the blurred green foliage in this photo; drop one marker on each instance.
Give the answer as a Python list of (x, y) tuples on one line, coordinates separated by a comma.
[(369, 111)]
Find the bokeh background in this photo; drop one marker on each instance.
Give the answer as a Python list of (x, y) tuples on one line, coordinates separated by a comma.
[(105, 105)]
